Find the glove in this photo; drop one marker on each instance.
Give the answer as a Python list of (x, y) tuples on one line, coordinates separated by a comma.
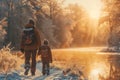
[(50, 61), (22, 50)]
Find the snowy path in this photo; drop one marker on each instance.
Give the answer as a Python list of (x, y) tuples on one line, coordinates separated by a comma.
[(53, 74)]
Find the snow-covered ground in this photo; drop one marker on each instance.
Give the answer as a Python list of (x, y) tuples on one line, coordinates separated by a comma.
[(55, 74)]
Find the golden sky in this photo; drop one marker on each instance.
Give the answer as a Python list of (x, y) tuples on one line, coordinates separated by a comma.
[(93, 7)]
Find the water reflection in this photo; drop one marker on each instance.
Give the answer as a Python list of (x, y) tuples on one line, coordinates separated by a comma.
[(95, 65)]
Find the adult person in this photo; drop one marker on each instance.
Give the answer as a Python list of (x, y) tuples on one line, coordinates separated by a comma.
[(30, 42)]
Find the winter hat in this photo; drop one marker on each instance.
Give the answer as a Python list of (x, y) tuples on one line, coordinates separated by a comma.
[(46, 42)]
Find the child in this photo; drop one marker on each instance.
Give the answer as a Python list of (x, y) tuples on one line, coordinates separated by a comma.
[(46, 57)]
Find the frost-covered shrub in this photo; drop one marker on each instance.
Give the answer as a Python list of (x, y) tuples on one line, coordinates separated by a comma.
[(8, 60)]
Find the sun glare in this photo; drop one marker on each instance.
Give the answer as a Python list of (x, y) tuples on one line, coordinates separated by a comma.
[(95, 74), (97, 70), (94, 14), (92, 7)]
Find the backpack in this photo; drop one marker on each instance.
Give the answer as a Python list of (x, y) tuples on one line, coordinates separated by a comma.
[(28, 36)]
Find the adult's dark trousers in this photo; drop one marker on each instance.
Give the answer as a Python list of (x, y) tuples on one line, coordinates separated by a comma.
[(31, 54)]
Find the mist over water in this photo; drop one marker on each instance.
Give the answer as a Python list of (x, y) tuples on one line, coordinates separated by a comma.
[(90, 61)]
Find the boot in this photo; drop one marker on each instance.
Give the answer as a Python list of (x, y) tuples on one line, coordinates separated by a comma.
[(27, 67), (43, 73), (48, 72), (26, 71), (33, 73)]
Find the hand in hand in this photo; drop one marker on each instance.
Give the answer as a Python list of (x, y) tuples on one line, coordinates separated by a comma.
[(22, 50), (50, 61)]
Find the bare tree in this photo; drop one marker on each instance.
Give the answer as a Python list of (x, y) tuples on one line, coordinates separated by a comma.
[(17, 16), (111, 16)]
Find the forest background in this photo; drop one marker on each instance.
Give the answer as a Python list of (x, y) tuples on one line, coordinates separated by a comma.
[(64, 26)]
